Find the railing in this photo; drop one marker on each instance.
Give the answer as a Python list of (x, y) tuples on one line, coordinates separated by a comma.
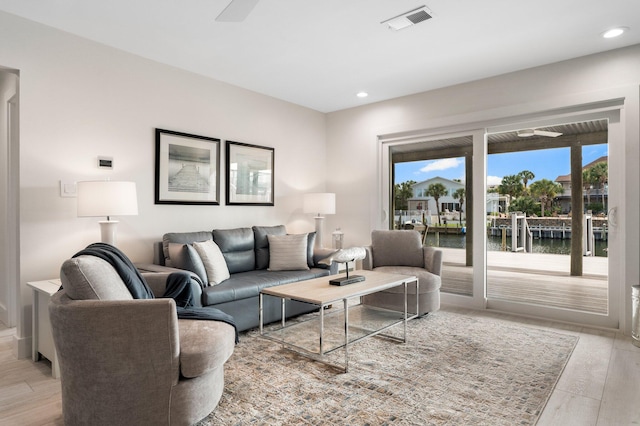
[(521, 237), (592, 192)]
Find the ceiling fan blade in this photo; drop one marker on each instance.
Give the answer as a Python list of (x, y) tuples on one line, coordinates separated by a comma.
[(236, 11), (546, 133)]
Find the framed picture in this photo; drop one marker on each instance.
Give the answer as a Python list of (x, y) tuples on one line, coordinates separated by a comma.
[(249, 174), (187, 168)]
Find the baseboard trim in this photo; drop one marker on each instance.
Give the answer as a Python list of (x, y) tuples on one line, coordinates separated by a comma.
[(22, 347)]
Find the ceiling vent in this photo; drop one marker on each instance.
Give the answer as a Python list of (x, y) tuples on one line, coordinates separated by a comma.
[(408, 19)]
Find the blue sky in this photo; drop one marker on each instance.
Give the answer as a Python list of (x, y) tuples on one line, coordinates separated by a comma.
[(545, 164)]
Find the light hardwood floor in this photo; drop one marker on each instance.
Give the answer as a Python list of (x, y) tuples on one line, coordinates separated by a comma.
[(600, 385)]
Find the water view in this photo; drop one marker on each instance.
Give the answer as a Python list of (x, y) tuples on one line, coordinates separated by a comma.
[(545, 245)]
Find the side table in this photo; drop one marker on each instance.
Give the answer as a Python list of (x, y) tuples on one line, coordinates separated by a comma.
[(42, 337)]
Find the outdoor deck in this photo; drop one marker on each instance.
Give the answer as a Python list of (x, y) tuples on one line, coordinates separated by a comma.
[(532, 278)]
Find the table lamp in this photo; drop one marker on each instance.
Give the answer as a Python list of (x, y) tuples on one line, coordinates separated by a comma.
[(107, 198), (320, 203)]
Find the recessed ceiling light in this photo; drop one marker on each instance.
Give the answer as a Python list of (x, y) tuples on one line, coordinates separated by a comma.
[(362, 94), (614, 32)]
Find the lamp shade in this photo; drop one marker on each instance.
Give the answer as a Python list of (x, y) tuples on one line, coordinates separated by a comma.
[(320, 203), (107, 198)]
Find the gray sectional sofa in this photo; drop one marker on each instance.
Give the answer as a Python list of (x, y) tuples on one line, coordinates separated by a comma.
[(247, 256)]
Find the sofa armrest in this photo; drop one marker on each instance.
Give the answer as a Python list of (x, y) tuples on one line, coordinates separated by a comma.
[(432, 260), (152, 267), (367, 262), (157, 281)]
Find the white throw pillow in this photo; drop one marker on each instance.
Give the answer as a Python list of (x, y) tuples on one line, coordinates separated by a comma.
[(288, 252), (213, 260)]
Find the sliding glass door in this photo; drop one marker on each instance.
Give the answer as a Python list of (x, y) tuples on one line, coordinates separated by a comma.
[(525, 213)]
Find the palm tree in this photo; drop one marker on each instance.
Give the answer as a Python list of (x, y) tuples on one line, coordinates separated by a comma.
[(403, 191), (600, 173), (587, 183), (526, 176), (545, 190), (511, 185), (437, 190), (459, 195)]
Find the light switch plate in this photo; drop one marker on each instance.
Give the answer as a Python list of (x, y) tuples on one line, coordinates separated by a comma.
[(67, 189)]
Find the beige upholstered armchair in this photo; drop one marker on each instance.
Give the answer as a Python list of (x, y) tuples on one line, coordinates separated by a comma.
[(402, 252), (127, 361)]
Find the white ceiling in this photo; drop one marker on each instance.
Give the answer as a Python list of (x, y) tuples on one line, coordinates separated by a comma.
[(320, 53)]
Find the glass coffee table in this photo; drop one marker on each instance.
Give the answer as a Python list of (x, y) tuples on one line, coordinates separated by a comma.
[(337, 328)]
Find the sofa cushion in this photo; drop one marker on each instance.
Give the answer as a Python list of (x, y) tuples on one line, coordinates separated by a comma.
[(181, 238), (311, 242), (89, 277), (396, 248), (185, 256), (244, 285), (262, 243), (213, 260), (237, 246), (204, 346), (288, 252)]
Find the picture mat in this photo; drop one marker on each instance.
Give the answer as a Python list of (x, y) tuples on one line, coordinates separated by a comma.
[(249, 174)]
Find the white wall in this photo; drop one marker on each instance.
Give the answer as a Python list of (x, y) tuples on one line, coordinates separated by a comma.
[(80, 99), (353, 133)]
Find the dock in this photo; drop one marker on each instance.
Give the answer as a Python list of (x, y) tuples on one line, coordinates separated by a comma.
[(533, 278), (553, 232), (189, 179)]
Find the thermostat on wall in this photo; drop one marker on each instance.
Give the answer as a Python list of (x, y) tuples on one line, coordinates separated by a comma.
[(105, 162)]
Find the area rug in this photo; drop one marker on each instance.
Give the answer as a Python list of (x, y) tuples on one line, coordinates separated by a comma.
[(454, 370)]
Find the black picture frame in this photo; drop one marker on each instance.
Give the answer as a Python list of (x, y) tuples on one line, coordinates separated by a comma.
[(250, 174), (187, 168)]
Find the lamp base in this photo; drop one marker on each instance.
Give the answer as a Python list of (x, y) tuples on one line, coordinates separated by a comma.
[(108, 231), (347, 280), (319, 231)]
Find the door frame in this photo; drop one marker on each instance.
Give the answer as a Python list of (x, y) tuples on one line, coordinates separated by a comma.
[(12, 245), (10, 273), (608, 104), (615, 145)]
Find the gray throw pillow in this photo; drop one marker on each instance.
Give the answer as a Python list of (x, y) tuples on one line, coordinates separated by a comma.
[(213, 261), (288, 252), (181, 238), (184, 256), (262, 243)]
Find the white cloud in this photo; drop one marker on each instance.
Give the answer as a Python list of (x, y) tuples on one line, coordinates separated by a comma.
[(494, 180), (444, 164)]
